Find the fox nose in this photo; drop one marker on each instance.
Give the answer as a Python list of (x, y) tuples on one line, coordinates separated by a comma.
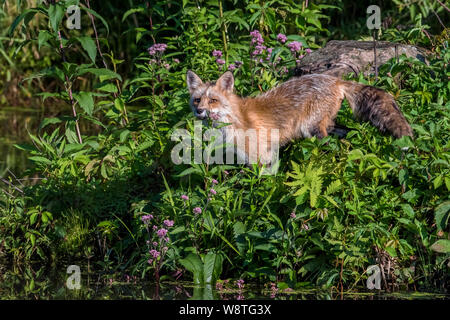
[(201, 113)]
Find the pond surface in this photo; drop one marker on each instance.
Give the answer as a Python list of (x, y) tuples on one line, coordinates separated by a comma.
[(54, 283)]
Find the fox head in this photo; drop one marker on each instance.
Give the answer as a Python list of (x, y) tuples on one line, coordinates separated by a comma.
[(211, 99)]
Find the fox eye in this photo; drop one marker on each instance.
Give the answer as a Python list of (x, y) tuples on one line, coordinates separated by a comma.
[(197, 100), (212, 100)]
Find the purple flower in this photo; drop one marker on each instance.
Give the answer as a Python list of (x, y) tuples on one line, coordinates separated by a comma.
[(226, 172), (212, 191), (157, 47), (256, 37), (161, 232), (197, 210), (231, 67), (214, 181), (176, 60), (154, 253), (167, 66), (308, 50), (155, 244), (155, 228), (293, 215), (168, 223), (295, 46), (150, 261), (281, 37), (146, 219), (240, 284), (238, 63), (220, 61), (184, 197), (217, 53)]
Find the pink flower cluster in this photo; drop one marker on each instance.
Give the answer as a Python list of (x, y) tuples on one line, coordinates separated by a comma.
[(168, 223), (217, 53), (240, 284), (162, 234), (235, 65), (157, 47), (282, 38), (256, 37), (259, 48), (295, 46), (146, 218)]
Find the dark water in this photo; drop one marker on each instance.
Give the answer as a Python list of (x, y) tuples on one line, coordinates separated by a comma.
[(29, 283)]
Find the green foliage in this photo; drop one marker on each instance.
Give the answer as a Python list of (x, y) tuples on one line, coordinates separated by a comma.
[(335, 207)]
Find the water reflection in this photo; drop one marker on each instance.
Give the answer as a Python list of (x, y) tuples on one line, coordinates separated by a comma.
[(39, 284)]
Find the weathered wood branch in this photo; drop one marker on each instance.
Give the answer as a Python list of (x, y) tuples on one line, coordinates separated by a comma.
[(338, 58)]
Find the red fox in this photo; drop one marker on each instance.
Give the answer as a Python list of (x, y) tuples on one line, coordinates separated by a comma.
[(301, 107)]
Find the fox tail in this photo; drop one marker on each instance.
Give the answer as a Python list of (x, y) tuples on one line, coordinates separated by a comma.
[(377, 106)]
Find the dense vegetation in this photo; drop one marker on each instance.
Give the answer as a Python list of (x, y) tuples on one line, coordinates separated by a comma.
[(109, 193)]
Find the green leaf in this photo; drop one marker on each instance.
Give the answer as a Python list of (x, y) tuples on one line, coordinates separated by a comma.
[(55, 13), (408, 210), (438, 181), (188, 171), (213, 267), (43, 37), (48, 121), (104, 74), (39, 159), (27, 15), (442, 214), (89, 46), (145, 145), (194, 264), (131, 11), (392, 252), (33, 239), (441, 246), (33, 218), (85, 101)]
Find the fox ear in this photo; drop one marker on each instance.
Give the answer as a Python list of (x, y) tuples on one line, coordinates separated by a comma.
[(193, 81), (226, 82)]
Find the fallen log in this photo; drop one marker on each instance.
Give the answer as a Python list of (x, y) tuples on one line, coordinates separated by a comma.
[(338, 58)]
